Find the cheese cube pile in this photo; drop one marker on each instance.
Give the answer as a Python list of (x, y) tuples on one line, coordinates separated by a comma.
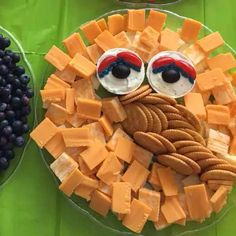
[(96, 160)]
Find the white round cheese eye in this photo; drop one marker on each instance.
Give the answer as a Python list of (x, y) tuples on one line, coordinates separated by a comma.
[(120, 71), (171, 73)]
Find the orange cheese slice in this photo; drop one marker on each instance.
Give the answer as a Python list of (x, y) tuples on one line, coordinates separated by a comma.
[(150, 37), (219, 198), (172, 210), (170, 40), (75, 121), (104, 188), (111, 144), (113, 109), (95, 154), (43, 133), (156, 20), (75, 44), (100, 203), (167, 180), (234, 79), (153, 178), (71, 182), (195, 54), (191, 180), (136, 219), (223, 61), (210, 79), (109, 169), (94, 52), (124, 149), (161, 223), (70, 100), (136, 20), (215, 184), (96, 131), (198, 109), (55, 146), (106, 125), (211, 42), (102, 24), (82, 66), (136, 175), (106, 41), (198, 194), (152, 199), (116, 23), (91, 30), (76, 137), (142, 155), (57, 114), (55, 82), (121, 197), (190, 30), (89, 108), (218, 114), (66, 75), (123, 40), (53, 95), (63, 166), (86, 188), (57, 58), (233, 146), (84, 168)]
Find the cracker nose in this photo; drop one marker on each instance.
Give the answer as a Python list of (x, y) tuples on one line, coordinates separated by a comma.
[(171, 76), (121, 71)]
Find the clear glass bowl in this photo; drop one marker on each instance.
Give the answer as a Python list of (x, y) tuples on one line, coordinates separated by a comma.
[(147, 3), (173, 22), (16, 47)]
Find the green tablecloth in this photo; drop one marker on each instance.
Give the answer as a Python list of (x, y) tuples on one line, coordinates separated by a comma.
[(30, 203)]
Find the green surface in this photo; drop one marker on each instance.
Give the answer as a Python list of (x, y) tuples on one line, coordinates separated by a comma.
[(30, 203)]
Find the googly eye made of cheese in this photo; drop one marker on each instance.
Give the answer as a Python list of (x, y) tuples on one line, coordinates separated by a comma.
[(120, 71), (171, 73)]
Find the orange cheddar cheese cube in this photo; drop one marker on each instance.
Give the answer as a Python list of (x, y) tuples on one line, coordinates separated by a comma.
[(89, 108), (96, 131), (152, 199), (232, 126), (116, 23), (172, 210), (218, 114), (111, 144), (156, 20), (167, 180), (219, 198), (211, 42), (161, 223), (43, 133), (94, 154), (104, 188), (153, 178), (55, 82), (233, 146), (113, 109), (63, 166), (198, 194), (76, 137), (55, 146), (75, 121), (215, 184), (70, 100), (106, 41), (121, 197), (136, 175), (57, 114), (53, 95), (136, 219), (210, 79), (94, 52), (91, 30), (198, 109), (142, 155), (123, 40), (190, 30), (195, 54), (57, 58), (109, 169), (223, 61), (82, 66), (149, 37), (234, 79), (100, 203), (84, 168), (170, 40), (191, 180), (66, 75), (71, 182), (102, 24), (84, 89), (136, 20), (86, 188), (75, 44), (124, 149), (106, 125)]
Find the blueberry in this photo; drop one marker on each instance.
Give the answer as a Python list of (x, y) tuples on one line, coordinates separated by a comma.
[(6, 42), (3, 107), (2, 53), (3, 141), (19, 142), (9, 154), (24, 119), (29, 93), (10, 78), (10, 114), (4, 163), (5, 92), (19, 70), (16, 125), (16, 102), (3, 70), (8, 146), (1, 153), (3, 124), (12, 138), (25, 100), (6, 60), (24, 79), (7, 131), (25, 128), (3, 82), (15, 57), (16, 83), (25, 111), (18, 92), (2, 116)]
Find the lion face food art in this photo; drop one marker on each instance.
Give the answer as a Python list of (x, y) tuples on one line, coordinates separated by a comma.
[(163, 140)]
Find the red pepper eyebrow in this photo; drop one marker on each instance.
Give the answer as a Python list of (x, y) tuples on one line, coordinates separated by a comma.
[(106, 63), (162, 61), (130, 58)]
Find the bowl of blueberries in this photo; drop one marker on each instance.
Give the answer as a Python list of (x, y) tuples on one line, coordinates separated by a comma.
[(16, 93)]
